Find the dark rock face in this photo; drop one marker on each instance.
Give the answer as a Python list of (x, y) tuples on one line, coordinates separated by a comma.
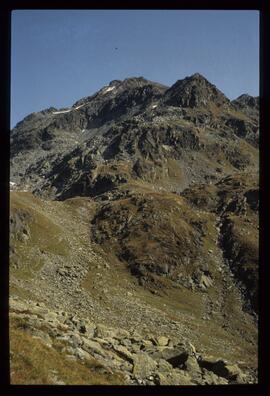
[(244, 129), (243, 256), (148, 234), (193, 92), (252, 197), (19, 228), (247, 103), (139, 121)]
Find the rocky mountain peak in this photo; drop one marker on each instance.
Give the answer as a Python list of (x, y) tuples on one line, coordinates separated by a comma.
[(248, 105), (135, 83), (125, 90), (247, 100), (194, 91), (114, 82), (119, 86), (198, 77)]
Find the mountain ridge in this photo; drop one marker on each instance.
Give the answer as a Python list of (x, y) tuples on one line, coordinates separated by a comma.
[(79, 101)]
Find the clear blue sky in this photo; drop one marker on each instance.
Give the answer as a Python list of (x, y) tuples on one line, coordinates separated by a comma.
[(60, 56)]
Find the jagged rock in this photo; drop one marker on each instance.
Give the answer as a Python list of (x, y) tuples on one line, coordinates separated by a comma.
[(92, 347), (205, 281), (194, 91), (124, 353), (192, 367)]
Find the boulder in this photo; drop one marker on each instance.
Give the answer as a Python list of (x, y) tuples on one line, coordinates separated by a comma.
[(209, 378), (143, 365), (52, 318), (221, 368), (176, 356), (164, 366), (192, 365), (102, 331), (205, 281), (123, 352), (193, 369), (90, 329), (229, 371), (75, 341), (161, 341), (93, 347)]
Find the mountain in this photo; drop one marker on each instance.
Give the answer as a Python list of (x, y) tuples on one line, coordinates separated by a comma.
[(195, 91), (134, 236), (249, 105)]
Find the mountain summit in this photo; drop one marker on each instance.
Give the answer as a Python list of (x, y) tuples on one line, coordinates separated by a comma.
[(138, 120), (194, 91)]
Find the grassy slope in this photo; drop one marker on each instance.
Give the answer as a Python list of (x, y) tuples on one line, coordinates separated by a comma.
[(236, 342), (33, 362)]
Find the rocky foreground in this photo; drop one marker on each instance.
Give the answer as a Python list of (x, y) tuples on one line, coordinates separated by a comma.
[(134, 238), (133, 359)]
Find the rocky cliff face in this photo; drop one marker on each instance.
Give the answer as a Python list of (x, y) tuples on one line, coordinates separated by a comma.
[(188, 133), (138, 208)]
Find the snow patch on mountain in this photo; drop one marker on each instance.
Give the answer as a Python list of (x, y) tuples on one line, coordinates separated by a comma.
[(62, 111), (108, 89), (78, 107)]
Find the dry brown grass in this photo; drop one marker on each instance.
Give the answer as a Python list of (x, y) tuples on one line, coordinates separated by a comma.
[(32, 363)]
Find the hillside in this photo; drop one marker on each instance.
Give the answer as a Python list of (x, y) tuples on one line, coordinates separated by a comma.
[(134, 237)]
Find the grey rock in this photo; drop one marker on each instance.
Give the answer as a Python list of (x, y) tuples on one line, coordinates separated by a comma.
[(144, 366)]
